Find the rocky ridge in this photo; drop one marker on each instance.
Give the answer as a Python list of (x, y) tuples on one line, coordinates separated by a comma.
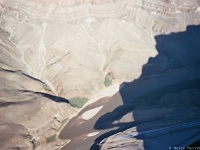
[(89, 38), (59, 47)]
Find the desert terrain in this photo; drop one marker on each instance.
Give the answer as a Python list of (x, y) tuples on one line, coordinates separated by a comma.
[(104, 74)]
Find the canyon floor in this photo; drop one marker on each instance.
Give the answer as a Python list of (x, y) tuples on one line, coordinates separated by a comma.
[(133, 66)]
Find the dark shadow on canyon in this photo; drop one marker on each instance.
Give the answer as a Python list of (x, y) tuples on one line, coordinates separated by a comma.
[(166, 94), (54, 98), (48, 96), (29, 98)]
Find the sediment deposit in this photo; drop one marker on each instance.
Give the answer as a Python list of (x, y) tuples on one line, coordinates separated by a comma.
[(52, 51)]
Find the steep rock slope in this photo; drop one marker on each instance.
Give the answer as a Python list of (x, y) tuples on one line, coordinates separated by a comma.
[(66, 48), (91, 38), (69, 38), (28, 116)]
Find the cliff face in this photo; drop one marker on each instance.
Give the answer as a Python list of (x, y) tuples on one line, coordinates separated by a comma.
[(65, 48), (58, 41), (165, 16), (28, 117)]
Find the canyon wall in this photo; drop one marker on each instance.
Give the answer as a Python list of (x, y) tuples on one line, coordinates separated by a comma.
[(66, 48), (56, 41)]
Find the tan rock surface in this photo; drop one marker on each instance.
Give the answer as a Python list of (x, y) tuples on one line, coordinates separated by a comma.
[(65, 48), (26, 112), (56, 41), (14, 136)]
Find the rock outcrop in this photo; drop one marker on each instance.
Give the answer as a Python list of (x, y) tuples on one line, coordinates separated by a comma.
[(56, 41), (14, 136), (26, 114), (65, 48)]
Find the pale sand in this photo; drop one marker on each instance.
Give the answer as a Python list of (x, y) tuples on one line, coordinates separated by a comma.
[(92, 134), (91, 113), (109, 91)]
